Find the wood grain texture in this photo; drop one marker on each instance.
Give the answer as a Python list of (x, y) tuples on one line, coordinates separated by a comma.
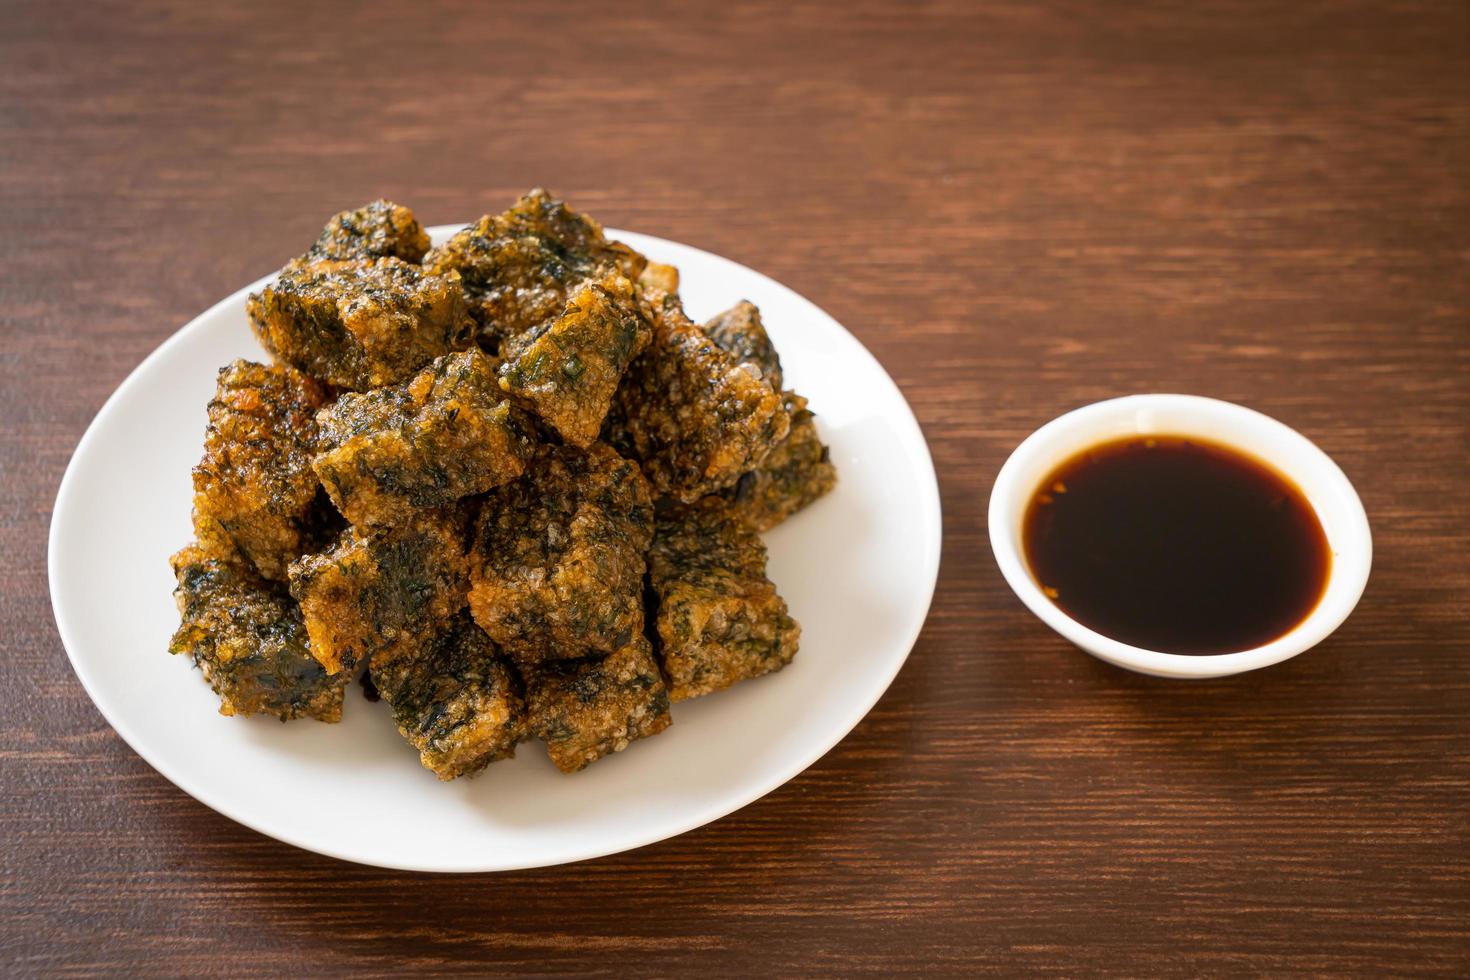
[(1019, 208)]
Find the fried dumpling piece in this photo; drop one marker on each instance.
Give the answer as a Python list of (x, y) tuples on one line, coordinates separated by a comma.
[(719, 619), (378, 230), (739, 332), (556, 570), (797, 471), (254, 488), (799, 468), (447, 433), (360, 323), (520, 267), (692, 415), (372, 591), (248, 638), (566, 369), (585, 709), (454, 698)]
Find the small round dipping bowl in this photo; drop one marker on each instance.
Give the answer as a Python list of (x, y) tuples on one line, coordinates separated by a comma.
[(1291, 454)]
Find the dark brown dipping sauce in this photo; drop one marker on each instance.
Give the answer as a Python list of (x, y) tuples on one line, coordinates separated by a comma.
[(1176, 544)]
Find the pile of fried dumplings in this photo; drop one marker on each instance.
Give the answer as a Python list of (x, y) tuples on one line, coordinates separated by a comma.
[(505, 483)]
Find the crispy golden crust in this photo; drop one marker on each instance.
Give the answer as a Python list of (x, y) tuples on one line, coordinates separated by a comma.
[(253, 488), (585, 709), (374, 590), (454, 698), (657, 276), (247, 636), (445, 434), (360, 323), (373, 231), (567, 370), (520, 267), (719, 618), (556, 570), (689, 413), (796, 472), (739, 332)]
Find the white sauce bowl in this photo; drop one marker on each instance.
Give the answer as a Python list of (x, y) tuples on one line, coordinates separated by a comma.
[(1290, 453)]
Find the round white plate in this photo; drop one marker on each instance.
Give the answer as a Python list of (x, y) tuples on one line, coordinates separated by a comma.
[(857, 569)]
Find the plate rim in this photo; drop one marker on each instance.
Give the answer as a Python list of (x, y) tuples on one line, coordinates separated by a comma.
[(932, 553)]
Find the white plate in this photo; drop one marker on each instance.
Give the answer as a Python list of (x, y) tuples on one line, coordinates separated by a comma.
[(857, 568)]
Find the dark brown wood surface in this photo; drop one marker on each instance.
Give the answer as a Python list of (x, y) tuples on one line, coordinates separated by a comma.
[(1019, 208)]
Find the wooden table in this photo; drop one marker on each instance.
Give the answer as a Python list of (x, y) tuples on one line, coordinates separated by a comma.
[(1019, 209)]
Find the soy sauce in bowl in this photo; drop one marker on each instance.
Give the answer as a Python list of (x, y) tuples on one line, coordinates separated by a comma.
[(1176, 544)]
